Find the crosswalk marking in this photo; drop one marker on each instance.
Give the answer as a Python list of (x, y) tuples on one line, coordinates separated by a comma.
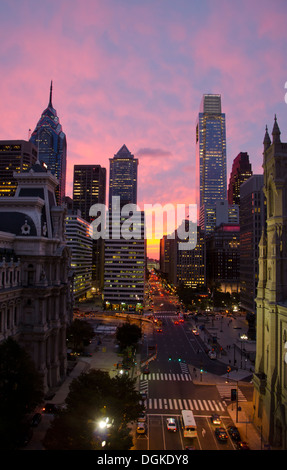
[(166, 376), (225, 391), (181, 404)]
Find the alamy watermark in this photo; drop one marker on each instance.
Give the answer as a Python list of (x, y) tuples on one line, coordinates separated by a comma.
[(130, 222)]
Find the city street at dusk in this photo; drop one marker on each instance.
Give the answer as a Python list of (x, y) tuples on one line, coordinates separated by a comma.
[(143, 228)]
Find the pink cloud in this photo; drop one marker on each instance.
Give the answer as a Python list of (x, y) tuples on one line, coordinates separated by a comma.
[(135, 72)]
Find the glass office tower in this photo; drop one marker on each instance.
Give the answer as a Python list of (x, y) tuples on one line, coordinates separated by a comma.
[(123, 177), (210, 159), (50, 141)]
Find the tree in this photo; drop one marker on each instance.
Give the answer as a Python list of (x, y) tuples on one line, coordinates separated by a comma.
[(128, 335), (94, 397), (21, 389), (79, 333)]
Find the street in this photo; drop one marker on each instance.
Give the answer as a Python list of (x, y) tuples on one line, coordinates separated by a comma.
[(175, 381)]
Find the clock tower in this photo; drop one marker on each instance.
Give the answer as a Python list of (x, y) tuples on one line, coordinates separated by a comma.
[(270, 377)]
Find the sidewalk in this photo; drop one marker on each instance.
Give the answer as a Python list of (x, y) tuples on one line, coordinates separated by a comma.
[(106, 358), (227, 332), (231, 349)]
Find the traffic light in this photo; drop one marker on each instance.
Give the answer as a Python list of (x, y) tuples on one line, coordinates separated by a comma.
[(169, 358)]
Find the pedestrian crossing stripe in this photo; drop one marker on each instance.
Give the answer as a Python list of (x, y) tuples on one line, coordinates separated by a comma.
[(183, 404), (225, 391), (166, 376)]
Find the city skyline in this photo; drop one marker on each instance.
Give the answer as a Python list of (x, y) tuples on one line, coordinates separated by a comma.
[(134, 73)]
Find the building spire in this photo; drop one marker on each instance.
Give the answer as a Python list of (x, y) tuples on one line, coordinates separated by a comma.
[(266, 141), (51, 91), (276, 131)]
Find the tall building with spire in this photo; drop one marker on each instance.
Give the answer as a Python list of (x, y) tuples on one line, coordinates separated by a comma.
[(210, 159), (270, 377), (50, 140)]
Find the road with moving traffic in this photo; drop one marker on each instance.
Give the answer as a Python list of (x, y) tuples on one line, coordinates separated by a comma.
[(169, 384)]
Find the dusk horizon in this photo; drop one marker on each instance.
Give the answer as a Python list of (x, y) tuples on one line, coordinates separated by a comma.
[(134, 72)]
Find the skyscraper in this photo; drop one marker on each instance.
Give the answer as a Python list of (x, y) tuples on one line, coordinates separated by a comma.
[(252, 221), (89, 188), (50, 140), (15, 156), (125, 255), (123, 177), (241, 171), (210, 159)]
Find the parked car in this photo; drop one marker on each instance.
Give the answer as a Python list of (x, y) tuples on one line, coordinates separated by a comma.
[(171, 424), (234, 433), (221, 434)]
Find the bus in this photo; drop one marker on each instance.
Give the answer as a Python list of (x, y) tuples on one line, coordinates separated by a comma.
[(188, 423)]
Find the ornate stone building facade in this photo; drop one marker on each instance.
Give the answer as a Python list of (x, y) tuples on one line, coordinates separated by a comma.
[(270, 378), (36, 296)]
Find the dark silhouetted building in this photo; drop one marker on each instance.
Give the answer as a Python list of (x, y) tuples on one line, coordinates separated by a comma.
[(241, 171), (89, 188), (252, 217)]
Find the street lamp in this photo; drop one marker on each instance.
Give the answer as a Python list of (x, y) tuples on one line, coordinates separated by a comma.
[(103, 426)]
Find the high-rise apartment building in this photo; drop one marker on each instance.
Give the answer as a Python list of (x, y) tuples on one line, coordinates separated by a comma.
[(125, 265), (223, 255), (210, 159), (183, 267), (125, 254), (15, 156), (50, 141), (80, 242), (89, 188), (241, 171)]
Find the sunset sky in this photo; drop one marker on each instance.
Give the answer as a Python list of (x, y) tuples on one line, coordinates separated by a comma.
[(134, 71)]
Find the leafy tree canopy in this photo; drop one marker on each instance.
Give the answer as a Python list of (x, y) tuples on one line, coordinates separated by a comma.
[(128, 334), (94, 397), (79, 332)]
